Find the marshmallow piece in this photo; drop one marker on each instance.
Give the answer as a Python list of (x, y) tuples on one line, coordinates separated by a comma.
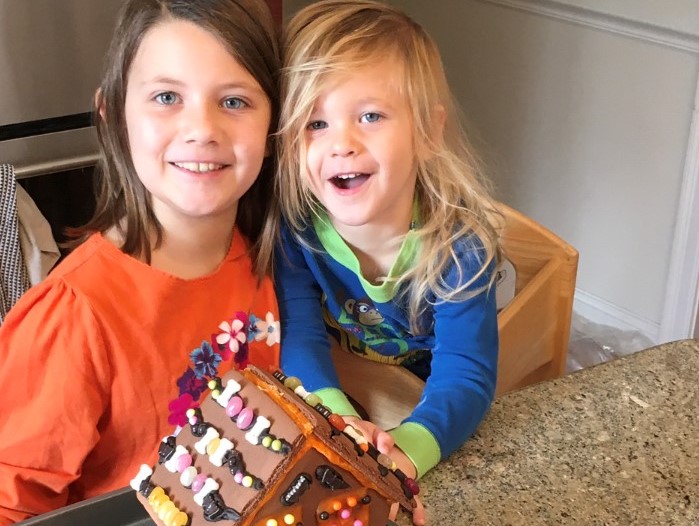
[(200, 446), (261, 424), (143, 473), (209, 486), (224, 446), (232, 387), (171, 465)]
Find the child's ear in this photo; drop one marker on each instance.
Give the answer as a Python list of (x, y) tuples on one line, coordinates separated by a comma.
[(438, 120), (99, 102), (268, 145)]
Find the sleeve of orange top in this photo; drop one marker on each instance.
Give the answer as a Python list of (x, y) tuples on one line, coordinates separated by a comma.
[(52, 373)]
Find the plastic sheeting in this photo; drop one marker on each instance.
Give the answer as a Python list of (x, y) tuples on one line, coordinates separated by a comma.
[(593, 343)]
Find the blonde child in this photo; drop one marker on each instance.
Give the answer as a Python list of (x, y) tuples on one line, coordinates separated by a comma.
[(170, 286), (386, 244)]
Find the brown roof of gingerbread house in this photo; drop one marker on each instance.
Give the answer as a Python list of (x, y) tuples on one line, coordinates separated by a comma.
[(300, 441)]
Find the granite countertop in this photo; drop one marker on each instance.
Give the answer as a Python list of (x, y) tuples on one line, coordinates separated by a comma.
[(615, 444)]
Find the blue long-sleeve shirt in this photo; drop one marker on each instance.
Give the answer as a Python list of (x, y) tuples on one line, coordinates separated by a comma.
[(321, 290)]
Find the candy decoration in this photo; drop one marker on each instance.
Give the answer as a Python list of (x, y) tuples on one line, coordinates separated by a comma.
[(196, 422), (216, 387), (216, 455), (171, 464), (232, 387), (297, 488), (198, 482), (245, 418), (412, 486), (210, 434), (260, 425), (216, 510), (166, 449), (165, 509), (144, 473), (209, 486), (385, 463), (188, 475), (234, 406)]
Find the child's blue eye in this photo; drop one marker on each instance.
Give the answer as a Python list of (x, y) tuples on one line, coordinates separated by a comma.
[(370, 117), (317, 125), (234, 103), (167, 98)]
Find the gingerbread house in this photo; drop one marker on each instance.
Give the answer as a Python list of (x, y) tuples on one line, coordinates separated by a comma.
[(262, 451)]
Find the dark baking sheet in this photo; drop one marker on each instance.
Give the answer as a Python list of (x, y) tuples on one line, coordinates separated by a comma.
[(118, 508)]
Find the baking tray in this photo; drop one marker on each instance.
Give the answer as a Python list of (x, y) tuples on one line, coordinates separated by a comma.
[(118, 508)]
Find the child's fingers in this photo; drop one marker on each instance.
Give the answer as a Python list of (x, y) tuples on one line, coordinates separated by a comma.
[(383, 441), (418, 512)]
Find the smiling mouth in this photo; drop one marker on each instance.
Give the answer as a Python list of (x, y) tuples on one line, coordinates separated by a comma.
[(348, 181), (200, 167)]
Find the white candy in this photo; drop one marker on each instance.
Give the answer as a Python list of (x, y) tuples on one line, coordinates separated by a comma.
[(200, 446), (301, 391), (188, 476), (209, 486), (171, 465), (261, 424), (224, 446), (232, 387), (143, 473)]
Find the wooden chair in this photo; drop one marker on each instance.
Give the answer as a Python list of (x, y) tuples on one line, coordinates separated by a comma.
[(533, 328)]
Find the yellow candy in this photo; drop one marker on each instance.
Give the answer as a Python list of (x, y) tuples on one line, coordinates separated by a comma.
[(181, 519), (213, 446), (153, 494), (170, 513), (247, 482), (159, 501), (277, 445), (165, 508), (271, 522), (289, 519)]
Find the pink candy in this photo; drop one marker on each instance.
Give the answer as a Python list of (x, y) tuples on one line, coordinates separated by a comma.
[(234, 406), (184, 462), (198, 483), (245, 418)]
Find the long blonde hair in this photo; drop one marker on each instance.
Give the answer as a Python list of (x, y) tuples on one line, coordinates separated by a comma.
[(337, 36)]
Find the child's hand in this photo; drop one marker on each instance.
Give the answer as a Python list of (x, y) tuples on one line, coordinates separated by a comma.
[(374, 434), (385, 444)]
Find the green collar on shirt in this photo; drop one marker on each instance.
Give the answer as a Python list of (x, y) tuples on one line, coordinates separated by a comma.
[(336, 247)]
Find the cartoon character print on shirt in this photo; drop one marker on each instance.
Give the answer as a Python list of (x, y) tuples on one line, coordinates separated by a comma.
[(360, 328)]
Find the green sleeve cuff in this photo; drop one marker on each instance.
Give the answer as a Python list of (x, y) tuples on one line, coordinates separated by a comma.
[(336, 401), (419, 444)]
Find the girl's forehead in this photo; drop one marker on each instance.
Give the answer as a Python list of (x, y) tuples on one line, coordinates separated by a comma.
[(378, 73)]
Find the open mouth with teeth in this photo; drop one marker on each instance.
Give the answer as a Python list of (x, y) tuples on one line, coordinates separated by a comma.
[(348, 181), (200, 167)]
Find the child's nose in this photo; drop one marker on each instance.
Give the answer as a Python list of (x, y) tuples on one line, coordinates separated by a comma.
[(344, 142), (201, 124)]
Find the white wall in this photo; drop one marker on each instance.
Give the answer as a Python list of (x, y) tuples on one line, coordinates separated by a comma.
[(585, 119)]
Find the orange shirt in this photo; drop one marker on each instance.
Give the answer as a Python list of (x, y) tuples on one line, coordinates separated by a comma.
[(90, 360)]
